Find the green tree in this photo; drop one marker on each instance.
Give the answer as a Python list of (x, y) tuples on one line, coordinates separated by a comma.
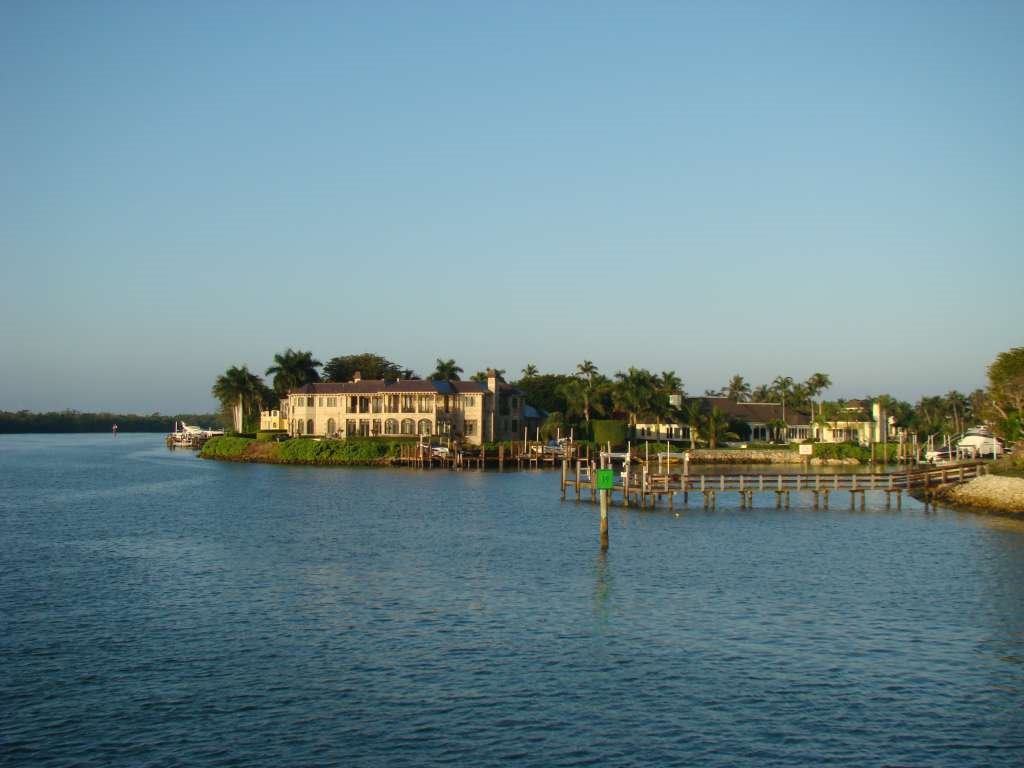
[(778, 429), (761, 394), (553, 424), (716, 428), (241, 392), (671, 384), (782, 390), (737, 390), (1006, 382), (800, 396), (930, 416), (369, 366), (530, 370), (446, 370), (817, 383), (293, 369), (587, 370), (481, 376), (958, 408), (544, 391), (692, 415), (636, 392), (583, 398)]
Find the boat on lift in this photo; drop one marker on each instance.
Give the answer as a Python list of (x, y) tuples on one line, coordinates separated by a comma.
[(189, 436), (976, 443)]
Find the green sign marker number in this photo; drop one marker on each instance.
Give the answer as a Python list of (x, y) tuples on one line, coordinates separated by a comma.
[(605, 479)]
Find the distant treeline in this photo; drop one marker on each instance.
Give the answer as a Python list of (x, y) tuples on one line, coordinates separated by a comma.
[(12, 422)]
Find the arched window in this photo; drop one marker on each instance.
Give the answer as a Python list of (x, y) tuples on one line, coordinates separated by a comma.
[(408, 427), (331, 427), (391, 427), (423, 428), (309, 427)]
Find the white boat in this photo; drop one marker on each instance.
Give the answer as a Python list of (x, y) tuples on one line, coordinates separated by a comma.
[(979, 442), (976, 443), (188, 436)]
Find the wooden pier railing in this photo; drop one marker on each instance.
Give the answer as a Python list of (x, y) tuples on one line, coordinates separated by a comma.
[(645, 488)]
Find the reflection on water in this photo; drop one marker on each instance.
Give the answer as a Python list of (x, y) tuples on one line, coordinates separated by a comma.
[(157, 609), (602, 585)]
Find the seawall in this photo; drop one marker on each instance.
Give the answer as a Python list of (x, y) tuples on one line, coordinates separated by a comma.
[(762, 456)]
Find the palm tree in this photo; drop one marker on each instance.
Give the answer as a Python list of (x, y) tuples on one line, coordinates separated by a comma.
[(958, 403), (782, 388), (716, 428), (737, 390), (586, 369), (822, 419), (584, 397), (929, 415), (637, 393), (817, 383), (239, 390), (529, 370), (447, 370), (292, 369), (761, 394), (670, 383), (693, 417), (799, 395), (778, 429)]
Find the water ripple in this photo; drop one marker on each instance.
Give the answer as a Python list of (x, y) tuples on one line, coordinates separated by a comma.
[(158, 610)]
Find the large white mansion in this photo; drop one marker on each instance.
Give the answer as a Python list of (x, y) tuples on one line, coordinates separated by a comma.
[(473, 411)]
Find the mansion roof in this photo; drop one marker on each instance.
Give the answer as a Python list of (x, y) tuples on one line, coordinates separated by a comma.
[(401, 386), (755, 413)]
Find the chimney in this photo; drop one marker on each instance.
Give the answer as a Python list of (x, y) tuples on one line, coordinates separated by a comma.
[(492, 380), (357, 376)]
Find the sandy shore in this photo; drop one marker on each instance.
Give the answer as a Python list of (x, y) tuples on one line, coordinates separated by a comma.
[(989, 492)]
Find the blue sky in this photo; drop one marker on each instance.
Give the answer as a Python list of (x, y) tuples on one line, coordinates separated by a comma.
[(714, 188)]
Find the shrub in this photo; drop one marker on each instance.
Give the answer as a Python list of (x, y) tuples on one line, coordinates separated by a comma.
[(888, 455), (841, 451), (270, 435), (351, 451), (225, 447), (609, 431)]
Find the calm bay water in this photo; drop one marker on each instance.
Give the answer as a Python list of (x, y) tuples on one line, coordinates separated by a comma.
[(156, 609)]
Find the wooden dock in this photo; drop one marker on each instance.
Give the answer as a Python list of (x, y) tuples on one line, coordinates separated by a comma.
[(647, 489)]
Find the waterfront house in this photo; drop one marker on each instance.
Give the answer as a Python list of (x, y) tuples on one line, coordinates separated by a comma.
[(856, 422), (753, 422), (766, 422), (471, 411)]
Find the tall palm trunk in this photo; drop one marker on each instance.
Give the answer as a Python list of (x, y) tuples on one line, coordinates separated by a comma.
[(238, 415)]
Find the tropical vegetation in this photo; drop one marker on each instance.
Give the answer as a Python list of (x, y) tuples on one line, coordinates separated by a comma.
[(576, 400), (242, 394), (368, 365), (292, 369), (24, 422)]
